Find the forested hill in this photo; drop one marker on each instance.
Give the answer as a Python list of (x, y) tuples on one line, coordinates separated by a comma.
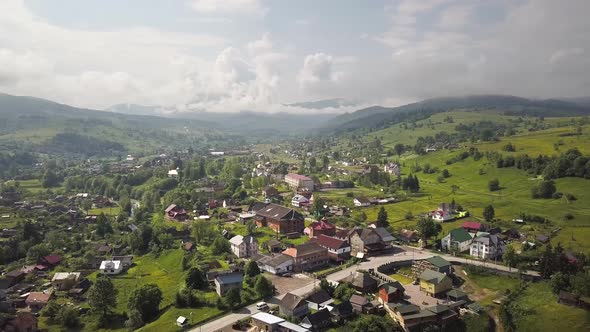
[(378, 117)]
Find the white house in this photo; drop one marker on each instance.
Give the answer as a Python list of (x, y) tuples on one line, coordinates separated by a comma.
[(110, 267), (181, 321), (458, 240), (486, 246), (391, 168), (173, 173), (299, 201), (296, 181), (361, 202), (244, 246), (441, 216), (276, 264)]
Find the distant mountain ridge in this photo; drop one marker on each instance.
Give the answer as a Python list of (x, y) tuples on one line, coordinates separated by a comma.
[(380, 117), (323, 104)]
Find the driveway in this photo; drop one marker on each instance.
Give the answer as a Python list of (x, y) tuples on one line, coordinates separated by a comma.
[(286, 284), (419, 298)]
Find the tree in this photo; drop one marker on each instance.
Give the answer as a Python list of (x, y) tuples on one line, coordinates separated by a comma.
[(37, 251), (372, 323), (428, 228), (547, 262), (399, 149), (545, 189), (382, 218), (494, 185), (50, 179), (344, 292), (146, 299), (251, 227), (580, 283), (559, 281), (195, 278), (263, 287), (232, 298), (68, 317), (252, 269), (220, 246), (102, 297), (317, 208), (327, 286), (135, 320), (445, 173), (510, 257), (489, 213)]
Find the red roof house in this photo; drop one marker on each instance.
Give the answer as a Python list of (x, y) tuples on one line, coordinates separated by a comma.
[(338, 249), (324, 227), (51, 260), (472, 226), (175, 212)]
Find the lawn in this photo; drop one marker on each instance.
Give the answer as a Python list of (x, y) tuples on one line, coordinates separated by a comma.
[(109, 211), (545, 314), (167, 321)]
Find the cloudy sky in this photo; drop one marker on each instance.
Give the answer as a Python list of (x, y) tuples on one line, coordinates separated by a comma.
[(231, 55)]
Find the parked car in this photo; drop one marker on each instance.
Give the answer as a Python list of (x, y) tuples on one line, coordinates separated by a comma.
[(262, 306)]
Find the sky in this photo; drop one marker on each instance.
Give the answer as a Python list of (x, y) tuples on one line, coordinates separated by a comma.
[(232, 55)]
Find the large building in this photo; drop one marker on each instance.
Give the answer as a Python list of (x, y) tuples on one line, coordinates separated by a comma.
[(487, 246), (307, 256), (296, 181), (279, 218), (244, 246)]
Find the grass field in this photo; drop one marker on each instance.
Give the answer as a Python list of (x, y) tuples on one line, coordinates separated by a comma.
[(545, 314), (109, 211), (167, 321)]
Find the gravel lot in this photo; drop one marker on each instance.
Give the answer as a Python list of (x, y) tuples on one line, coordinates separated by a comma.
[(287, 284)]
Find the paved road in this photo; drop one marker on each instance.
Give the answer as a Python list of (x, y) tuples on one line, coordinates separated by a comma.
[(400, 254)]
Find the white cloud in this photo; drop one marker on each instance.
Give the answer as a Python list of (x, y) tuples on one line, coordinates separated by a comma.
[(229, 7), (317, 69)]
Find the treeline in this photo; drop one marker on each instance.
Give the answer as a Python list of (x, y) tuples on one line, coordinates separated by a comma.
[(10, 164), (570, 164), (82, 145)]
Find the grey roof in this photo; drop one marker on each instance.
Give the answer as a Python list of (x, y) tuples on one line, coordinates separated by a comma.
[(230, 278), (393, 286), (357, 299), (438, 261), (319, 296), (291, 301), (275, 260), (456, 292), (361, 279), (405, 308), (432, 276), (488, 239), (384, 234), (437, 309), (293, 327), (275, 211)]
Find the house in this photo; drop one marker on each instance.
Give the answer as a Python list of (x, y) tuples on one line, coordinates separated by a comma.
[(224, 282), (487, 246), (244, 246), (385, 236), (307, 256), (15, 276), (408, 236), (279, 218), (341, 311), (266, 322), (173, 173), (276, 264), (317, 321), (434, 283), (543, 238), (391, 292), (175, 212), (323, 226), (80, 287), (110, 267), (274, 246), (318, 300), (472, 226), (38, 300), (392, 168), (409, 316), (362, 281), (51, 261), (296, 181), (292, 305), (368, 241), (126, 261), (23, 322), (458, 240), (441, 216), (456, 294), (65, 280), (103, 250), (338, 250), (270, 192), (181, 321), (443, 314), (300, 201), (361, 202), (360, 304), (435, 263)]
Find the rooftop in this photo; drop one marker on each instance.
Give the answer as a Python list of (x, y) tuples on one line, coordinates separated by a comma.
[(267, 318), (230, 278), (438, 261)]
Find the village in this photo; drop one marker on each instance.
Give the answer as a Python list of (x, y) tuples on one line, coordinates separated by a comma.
[(302, 255)]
